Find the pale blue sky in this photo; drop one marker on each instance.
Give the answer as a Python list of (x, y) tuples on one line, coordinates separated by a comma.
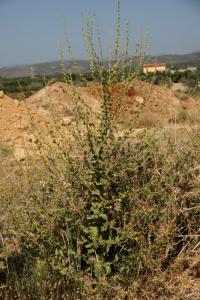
[(30, 30)]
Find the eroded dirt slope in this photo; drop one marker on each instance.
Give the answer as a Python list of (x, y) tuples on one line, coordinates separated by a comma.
[(158, 105)]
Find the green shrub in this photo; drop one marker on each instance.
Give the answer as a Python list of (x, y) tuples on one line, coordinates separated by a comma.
[(125, 214)]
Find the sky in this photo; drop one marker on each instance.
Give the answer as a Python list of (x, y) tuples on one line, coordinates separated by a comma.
[(32, 30)]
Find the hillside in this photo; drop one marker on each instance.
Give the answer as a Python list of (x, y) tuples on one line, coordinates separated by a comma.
[(51, 68), (47, 68)]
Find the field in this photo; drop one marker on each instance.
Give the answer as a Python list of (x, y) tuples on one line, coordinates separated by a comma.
[(59, 218)]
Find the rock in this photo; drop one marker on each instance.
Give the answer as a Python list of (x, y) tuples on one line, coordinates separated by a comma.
[(17, 102), (19, 154), (66, 121), (139, 100), (2, 95)]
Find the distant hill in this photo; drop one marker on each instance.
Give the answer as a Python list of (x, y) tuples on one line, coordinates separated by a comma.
[(51, 68), (48, 68), (191, 58)]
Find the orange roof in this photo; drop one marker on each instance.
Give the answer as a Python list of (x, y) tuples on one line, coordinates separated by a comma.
[(154, 65)]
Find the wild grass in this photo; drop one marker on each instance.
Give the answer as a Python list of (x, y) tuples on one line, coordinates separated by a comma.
[(108, 211)]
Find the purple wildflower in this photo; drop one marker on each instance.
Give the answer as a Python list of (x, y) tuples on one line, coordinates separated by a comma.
[(7, 238)]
